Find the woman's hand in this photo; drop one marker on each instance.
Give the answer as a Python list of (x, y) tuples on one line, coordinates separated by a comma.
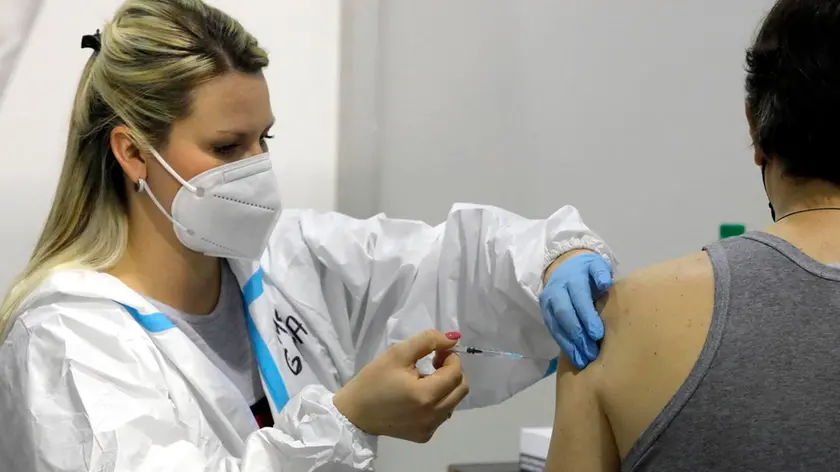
[(573, 283), (389, 397)]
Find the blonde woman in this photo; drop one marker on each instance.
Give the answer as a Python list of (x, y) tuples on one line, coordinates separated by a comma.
[(173, 318)]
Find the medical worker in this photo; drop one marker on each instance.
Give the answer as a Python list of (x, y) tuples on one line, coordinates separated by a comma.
[(173, 318)]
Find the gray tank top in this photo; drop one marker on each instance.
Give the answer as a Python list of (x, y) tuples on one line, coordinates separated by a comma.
[(765, 393)]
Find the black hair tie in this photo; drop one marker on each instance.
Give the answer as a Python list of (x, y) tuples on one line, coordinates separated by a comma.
[(92, 41)]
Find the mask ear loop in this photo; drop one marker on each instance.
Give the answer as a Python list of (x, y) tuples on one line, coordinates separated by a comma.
[(198, 191), (764, 180), (143, 187)]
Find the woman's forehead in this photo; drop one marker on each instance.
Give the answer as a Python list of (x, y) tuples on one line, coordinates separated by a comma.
[(233, 102)]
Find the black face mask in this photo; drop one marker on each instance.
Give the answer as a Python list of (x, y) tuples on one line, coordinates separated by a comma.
[(764, 180)]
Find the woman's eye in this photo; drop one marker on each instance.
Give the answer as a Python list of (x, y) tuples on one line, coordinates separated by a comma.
[(264, 143), (226, 150), (230, 151)]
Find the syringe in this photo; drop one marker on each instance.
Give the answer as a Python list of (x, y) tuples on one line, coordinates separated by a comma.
[(493, 353)]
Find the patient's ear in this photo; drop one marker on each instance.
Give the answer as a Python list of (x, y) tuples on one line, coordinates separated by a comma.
[(758, 157)]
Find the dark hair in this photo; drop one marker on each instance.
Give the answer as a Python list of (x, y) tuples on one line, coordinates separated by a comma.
[(793, 87)]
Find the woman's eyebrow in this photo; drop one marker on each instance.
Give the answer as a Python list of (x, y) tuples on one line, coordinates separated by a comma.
[(241, 133)]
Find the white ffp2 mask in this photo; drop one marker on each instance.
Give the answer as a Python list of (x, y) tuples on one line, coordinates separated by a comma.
[(228, 211)]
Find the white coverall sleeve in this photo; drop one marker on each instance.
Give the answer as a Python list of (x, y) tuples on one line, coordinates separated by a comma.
[(96, 396), (383, 280), (16, 21)]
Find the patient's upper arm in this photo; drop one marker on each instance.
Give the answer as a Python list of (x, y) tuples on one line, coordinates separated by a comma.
[(582, 440), (656, 320)]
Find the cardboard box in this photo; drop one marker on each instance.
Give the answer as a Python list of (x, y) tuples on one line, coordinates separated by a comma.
[(533, 449)]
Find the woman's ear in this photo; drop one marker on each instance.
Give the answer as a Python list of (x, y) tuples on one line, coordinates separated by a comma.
[(128, 154)]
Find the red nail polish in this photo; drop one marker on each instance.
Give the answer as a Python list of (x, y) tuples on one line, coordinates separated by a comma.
[(453, 335)]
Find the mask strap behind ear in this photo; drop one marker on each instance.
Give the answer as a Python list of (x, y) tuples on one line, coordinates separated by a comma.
[(184, 183), (143, 187), (764, 180)]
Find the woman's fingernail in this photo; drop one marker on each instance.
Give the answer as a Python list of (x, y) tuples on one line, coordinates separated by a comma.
[(453, 335)]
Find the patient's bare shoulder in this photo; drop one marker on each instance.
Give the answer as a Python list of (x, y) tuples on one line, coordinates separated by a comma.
[(651, 285), (656, 323)]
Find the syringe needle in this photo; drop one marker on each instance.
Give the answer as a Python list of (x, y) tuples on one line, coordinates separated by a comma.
[(492, 353)]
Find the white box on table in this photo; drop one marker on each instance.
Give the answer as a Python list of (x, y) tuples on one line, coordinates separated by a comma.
[(533, 449)]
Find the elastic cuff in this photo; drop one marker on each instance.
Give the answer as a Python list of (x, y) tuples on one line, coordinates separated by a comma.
[(361, 439), (556, 249)]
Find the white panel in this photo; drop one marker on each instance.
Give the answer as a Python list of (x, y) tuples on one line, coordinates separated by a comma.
[(358, 159)]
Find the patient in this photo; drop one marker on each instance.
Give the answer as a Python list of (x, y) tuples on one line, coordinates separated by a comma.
[(729, 359)]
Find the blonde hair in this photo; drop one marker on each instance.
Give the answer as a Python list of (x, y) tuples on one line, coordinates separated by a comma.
[(151, 57)]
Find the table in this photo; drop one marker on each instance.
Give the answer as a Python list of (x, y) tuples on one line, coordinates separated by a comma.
[(507, 467)]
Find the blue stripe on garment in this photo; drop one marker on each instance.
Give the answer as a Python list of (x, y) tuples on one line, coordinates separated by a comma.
[(153, 322), (252, 290), (552, 367)]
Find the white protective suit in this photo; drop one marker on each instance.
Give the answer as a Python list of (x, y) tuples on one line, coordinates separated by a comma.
[(92, 378)]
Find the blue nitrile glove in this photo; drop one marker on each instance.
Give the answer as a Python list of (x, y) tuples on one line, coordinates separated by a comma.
[(568, 306)]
